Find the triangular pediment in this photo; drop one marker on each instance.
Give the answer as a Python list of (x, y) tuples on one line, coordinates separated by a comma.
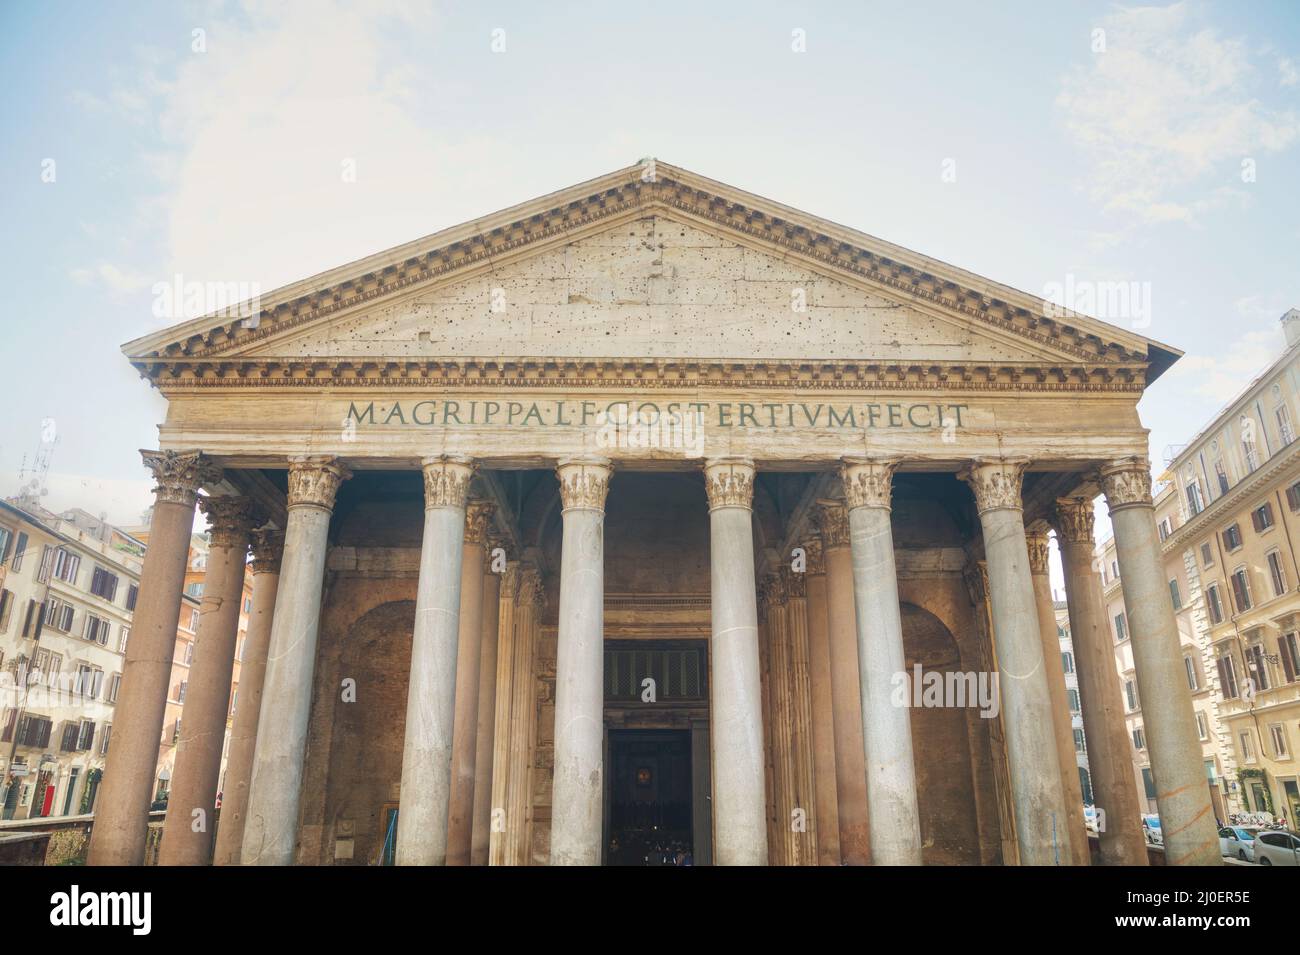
[(658, 267)]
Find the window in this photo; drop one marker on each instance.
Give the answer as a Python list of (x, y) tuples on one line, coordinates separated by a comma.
[(1190, 666), (1207, 555), (1221, 474), (1293, 496), (85, 735), (89, 681), (104, 737), (1255, 666), (97, 629), (1114, 570), (20, 551), (1249, 448), (1194, 505), (1283, 415), (103, 584), (47, 564), (1078, 741), (66, 565), (132, 595), (59, 614), (1276, 573), (1073, 695), (1166, 528), (180, 692), (1131, 695), (46, 665), (1202, 726), (1121, 628), (195, 589), (114, 684), (1067, 662), (1139, 738), (1215, 603), (1277, 736), (1241, 589), (6, 609), (1262, 517), (1289, 650), (189, 652), (248, 605), (1228, 678), (1174, 595), (176, 730), (122, 636), (1232, 537), (194, 623), (6, 538), (1247, 750)]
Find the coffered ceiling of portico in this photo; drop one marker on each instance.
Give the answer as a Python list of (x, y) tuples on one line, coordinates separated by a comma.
[(629, 278)]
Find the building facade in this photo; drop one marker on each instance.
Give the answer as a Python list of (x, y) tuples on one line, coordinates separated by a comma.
[(1074, 698), (67, 593), (1229, 516), (644, 519)]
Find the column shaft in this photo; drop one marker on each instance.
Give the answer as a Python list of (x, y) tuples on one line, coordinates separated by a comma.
[(271, 829), (268, 546), (1182, 797), (188, 830), (122, 815), (577, 801), (487, 712), (523, 717), (823, 711), (894, 819), (505, 690), (1110, 761), (740, 828), (846, 690), (464, 746), (1042, 827), (801, 714), (1067, 763)]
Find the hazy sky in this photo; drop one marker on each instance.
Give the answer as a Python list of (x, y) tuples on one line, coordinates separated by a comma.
[(1037, 144)]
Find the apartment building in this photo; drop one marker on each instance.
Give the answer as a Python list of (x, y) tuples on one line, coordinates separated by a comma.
[(1072, 696), (68, 586), (1228, 512)]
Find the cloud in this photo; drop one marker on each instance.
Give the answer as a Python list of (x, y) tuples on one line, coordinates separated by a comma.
[(1164, 111), (118, 280), (1288, 74), (1223, 375)]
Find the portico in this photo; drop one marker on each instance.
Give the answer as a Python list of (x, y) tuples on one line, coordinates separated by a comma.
[(791, 462)]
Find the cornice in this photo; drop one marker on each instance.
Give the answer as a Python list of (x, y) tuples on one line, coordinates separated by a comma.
[(789, 233), (1260, 480), (652, 374)]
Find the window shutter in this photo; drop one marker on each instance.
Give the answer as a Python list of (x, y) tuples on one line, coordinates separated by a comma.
[(1284, 652), (1257, 518)]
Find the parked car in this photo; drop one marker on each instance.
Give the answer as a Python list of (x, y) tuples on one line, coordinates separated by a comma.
[(1277, 847), (1238, 842), (1151, 829), (1090, 820)]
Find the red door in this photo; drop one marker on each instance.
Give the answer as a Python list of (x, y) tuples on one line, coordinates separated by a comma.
[(48, 801)]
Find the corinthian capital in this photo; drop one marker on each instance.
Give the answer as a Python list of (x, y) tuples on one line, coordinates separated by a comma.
[(532, 592), (229, 520), (816, 557), (268, 548), (446, 480), (995, 483), (314, 480), (584, 483), (477, 516), (729, 482), (868, 482), (833, 519), (180, 474), (1126, 483), (1074, 520), (1036, 538)]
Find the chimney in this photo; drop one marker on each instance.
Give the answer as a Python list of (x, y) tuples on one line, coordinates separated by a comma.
[(1291, 326)]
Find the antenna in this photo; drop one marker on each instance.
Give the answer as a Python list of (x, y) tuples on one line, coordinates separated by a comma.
[(35, 478)]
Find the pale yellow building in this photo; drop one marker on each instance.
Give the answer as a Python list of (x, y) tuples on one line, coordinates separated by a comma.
[(1229, 516)]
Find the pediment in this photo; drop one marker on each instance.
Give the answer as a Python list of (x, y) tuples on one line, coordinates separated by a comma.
[(660, 271)]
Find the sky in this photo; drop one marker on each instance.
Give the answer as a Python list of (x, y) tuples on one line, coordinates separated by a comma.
[(1061, 149)]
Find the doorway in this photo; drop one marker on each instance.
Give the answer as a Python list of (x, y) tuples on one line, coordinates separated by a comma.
[(649, 802)]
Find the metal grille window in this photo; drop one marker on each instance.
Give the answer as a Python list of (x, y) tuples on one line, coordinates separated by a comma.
[(678, 672)]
